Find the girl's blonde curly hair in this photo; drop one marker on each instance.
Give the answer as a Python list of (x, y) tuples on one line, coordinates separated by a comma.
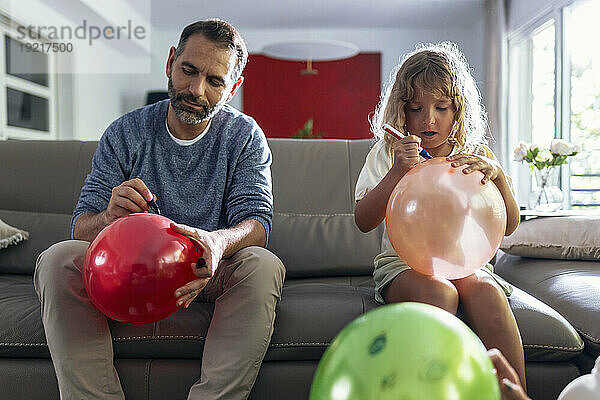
[(440, 69)]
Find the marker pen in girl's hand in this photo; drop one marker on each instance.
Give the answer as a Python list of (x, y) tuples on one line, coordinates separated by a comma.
[(399, 135)]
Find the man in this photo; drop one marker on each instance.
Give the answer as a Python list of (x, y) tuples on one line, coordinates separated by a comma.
[(207, 165)]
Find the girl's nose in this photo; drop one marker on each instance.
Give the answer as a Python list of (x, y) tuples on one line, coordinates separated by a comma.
[(430, 118)]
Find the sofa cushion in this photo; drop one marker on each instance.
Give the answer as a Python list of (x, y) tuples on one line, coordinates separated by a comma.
[(316, 176), (546, 335), (314, 232), (22, 333), (308, 317), (323, 245), (44, 229), (569, 238), (52, 178), (570, 287), (310, 314)]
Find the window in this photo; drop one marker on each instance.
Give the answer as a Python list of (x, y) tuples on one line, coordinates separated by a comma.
[(583, 74), (27, 90), (554, 92)]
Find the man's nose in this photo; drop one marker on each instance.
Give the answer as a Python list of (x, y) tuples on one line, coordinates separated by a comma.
[(198, 86)]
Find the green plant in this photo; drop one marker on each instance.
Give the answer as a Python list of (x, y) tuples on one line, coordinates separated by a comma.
[(307, 131)]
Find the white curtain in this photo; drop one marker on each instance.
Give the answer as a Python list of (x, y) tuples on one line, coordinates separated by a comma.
[(495, 72)]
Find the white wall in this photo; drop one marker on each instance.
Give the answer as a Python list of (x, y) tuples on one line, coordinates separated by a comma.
[(522, 13), (392, 43), (87, 101)]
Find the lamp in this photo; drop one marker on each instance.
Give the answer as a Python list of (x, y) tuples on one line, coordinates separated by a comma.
[(310, 50)]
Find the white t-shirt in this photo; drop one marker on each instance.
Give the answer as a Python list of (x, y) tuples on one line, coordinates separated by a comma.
[(378, 162)]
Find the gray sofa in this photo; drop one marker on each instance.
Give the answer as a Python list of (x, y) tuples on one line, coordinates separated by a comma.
[(569, 285), (328, 283)]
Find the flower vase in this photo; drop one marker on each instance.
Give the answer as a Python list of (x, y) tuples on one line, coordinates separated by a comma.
[(546, 194)]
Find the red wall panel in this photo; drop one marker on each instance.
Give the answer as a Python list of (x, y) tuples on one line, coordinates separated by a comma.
[(339, 98)]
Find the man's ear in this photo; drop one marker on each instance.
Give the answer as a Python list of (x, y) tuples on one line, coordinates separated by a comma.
[(235, 88), (170, 61)]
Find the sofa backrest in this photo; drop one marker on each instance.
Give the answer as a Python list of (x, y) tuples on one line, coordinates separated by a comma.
[(40, 183), (313, 227), (313, 186)]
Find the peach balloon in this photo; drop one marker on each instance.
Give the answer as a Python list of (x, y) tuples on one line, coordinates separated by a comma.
[(443, 222)]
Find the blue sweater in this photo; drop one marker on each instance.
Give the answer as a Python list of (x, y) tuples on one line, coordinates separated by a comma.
[(218, 182)]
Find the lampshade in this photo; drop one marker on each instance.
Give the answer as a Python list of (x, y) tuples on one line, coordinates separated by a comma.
[(314, 50)]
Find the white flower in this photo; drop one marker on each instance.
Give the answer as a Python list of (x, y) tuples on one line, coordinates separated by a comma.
[(562, 147), (544, 157), (521, 151)]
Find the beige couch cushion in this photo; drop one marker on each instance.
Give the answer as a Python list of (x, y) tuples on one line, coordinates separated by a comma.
[(571, 238)]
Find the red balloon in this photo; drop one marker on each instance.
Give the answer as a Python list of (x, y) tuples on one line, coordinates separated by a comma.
[(134, 265), (443, 222)]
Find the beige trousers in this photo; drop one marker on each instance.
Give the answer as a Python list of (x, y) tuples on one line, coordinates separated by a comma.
[(245, 289)]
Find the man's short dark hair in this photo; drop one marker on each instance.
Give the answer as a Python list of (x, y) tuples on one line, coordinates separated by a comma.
[(222, 34)]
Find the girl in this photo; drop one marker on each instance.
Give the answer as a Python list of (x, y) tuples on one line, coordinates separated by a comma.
[(434, 101)]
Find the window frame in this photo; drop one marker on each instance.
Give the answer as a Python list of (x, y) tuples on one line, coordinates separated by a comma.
[(9, 81), (519, 41)]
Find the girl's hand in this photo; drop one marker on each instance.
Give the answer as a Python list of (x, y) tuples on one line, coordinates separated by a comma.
[(491, 168), (406, 152)]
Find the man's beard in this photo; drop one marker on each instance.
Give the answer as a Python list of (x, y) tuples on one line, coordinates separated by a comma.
[(187, 114)]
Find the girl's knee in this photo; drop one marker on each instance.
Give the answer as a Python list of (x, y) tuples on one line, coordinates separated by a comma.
[(445, 295), (411, 286), (486, 291)]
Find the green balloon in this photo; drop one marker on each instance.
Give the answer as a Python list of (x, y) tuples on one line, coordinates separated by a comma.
[(407, 351)]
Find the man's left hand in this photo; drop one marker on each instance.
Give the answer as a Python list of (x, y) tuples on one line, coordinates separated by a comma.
[(188, 292), (213, 247)]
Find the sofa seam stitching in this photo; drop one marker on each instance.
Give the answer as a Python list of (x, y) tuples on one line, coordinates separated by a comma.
[(158, 337), (201, 337), (545, 346), (313, 215), (299, 343), (587, 335), (288, 344)]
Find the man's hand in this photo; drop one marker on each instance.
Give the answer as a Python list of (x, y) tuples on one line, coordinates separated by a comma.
[(510, 385), (188, 292), (213, 247), (129, 197), (211, 243), (216, 246)]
